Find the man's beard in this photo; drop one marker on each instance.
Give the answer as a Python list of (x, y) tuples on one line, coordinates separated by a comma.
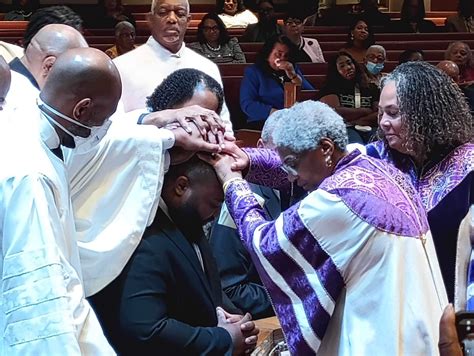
[(188, 221)]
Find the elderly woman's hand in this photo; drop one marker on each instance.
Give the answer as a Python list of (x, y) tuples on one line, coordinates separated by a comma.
[(222, 164)]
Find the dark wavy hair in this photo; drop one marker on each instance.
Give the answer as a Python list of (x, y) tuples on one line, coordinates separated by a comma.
[(262, 56), (51, 15), (334, 78), (220, 6), (370, 38), (405, 13), (223, 34), (180, 86), (434, 112)]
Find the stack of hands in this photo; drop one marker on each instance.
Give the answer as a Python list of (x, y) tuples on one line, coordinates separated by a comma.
[(201, 130)]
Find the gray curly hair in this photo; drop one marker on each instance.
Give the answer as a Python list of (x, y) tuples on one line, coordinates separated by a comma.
[(434, 112), (306, 124), (270, 123)]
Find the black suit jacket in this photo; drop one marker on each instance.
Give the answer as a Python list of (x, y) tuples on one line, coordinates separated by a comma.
[(239, 277), (163, 303)]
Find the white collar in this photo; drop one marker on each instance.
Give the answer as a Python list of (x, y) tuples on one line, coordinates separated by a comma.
[(164, 207), (47, 132), (162, 51)]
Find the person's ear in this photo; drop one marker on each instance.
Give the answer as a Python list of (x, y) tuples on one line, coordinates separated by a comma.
[(46, 66), (81, 108), (327, 146), (181, 185)]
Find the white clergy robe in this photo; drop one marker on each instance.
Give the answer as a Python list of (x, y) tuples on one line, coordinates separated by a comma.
[(115, 190), (43, 306), (144, 68)]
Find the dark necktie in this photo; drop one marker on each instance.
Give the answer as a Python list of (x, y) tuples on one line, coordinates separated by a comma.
[(58, 152)]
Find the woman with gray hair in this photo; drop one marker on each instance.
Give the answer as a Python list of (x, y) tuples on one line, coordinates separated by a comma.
[(427, 131), (354, 255)]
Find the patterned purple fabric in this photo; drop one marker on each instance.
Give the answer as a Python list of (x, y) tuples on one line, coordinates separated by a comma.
[(386, 201), (440, 180), (249, 216), (265, 168)]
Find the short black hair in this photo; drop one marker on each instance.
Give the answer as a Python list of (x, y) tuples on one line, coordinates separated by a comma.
[(180, 86), (51, 15), (223, 34), (405, 55), (194, 168)]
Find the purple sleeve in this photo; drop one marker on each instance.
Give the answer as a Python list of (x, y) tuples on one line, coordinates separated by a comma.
[(265, 169), (245, 210)]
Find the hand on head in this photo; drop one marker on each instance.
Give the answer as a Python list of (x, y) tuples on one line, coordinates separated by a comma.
[(222, 164), (207, 121), (241, 328)]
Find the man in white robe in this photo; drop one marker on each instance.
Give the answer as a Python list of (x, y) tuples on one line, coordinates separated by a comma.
[(44, 310), (144, 68)]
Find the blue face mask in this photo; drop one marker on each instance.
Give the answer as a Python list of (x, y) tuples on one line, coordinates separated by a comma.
[(374, 68)]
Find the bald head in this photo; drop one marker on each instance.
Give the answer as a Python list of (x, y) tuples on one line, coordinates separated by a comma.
[(450, 68), (5, 80), (49, 43), (85, 85)]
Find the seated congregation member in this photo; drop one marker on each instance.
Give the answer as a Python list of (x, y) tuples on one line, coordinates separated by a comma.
[(412, 19), (463, 21), (374, 63), (146, 66), (307, 49), (359, 39), (262, 87), (427, 132), (214, 42), (239, 277), (452, 70), (349, 93), (234, 14), (21, 10), (266, 27), (353, 255), (411, 55), (165, 300), (124, 39), (460, 53), (369, 10)]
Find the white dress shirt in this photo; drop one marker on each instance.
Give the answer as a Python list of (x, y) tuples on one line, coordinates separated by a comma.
[(240, 20), (44, 310), (144, 68)]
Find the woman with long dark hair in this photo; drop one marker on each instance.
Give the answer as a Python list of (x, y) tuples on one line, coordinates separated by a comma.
[(214, 41), (262, 87), (347, 91), (359, 38), (234, 14)]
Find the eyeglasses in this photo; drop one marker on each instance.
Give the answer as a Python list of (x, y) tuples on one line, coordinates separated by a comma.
[(289, 165), (210, 28)]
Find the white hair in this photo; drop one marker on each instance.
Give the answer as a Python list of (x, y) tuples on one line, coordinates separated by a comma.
[(154, 3), (380, 48), (270, 123), (306, 124)]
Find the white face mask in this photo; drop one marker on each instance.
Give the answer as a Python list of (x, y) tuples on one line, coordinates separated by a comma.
[(83, 144)]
